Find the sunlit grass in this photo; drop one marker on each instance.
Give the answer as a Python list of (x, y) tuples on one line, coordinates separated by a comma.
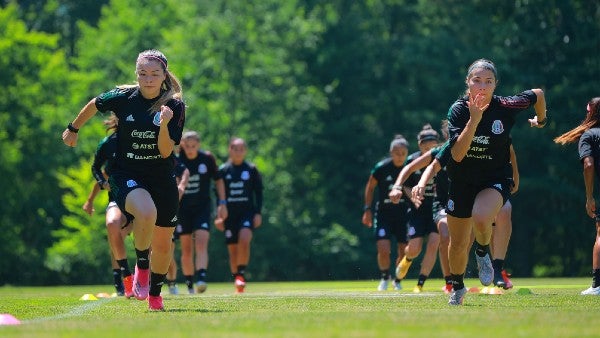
[(552, 308)]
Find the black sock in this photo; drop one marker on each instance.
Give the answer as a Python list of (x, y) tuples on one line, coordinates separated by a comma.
[(171, 282), (142, 259), (596, 278), (156, 282), (481, 250), (117, 279), (457, 281), (189, 281), (385, 274), (498, 265), (241, 270), (422, 279), (124, 267), (201, 275), (448, 279)]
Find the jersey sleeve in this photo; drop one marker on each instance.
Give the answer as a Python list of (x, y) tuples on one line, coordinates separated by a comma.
[(99, 160), (458, 116), (518, 102), (213, 169), (586, 143), (179, 167), (110, 100), (444, 154), (178, 121), (258, 191)]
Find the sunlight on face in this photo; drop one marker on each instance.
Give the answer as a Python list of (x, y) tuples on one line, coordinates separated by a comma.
[(237, 151), (150, 76), (190, 147), (482, 81)]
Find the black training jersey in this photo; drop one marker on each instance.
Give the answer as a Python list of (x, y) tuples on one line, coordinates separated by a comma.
[(385, 172), (414, 178), (243, 187), (104, 156), (488, 157), (589, 145), (202, 169), (138, 128), (179, 167), (441, 178)]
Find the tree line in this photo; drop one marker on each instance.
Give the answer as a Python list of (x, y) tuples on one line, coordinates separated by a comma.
[(318, 89)]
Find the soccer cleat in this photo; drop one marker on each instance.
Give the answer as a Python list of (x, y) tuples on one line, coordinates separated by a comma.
[(173, 290), (592, 291), (383, 285), (397, 285), (155, 303), (141, 283), (457, 296), (128, 284), (486, 270), (191, 291), (499, 280), (507, 282), (447, 288), (418, 289), (402, 268), (240, 284), (200, 286)]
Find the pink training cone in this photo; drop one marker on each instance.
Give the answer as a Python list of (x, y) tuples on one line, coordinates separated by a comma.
[(6, 319)]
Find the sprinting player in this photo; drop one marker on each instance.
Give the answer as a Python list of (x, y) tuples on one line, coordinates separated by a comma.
[(151, 116), (244, 197), (587, 134), (479, 169), (117, 225), (420, 214), (195, 210), (390, 219)]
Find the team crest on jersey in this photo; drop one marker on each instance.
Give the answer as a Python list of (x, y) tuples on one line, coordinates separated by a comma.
[(245, 175), (451, 205), (156, 119), (497, 127), (202, 168), (246, 224)]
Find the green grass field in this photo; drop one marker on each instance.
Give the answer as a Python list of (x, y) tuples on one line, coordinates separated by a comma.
[(554, 308)]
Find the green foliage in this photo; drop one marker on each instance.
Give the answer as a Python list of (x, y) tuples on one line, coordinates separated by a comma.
[(317, 89)]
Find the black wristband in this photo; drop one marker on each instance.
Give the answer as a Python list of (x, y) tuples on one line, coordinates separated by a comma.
[(71, 128), (366, 207)]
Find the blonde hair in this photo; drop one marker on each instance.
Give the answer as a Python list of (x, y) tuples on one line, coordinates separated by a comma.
[(592, 119)]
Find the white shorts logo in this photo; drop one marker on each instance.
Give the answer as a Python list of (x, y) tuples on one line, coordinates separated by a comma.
[(411, 231), (228, 233), (381, 233), (202, 168), (131, 183), (246, 224)]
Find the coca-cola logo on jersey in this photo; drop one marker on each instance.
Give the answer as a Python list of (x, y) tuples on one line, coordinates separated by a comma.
[(143, 134)]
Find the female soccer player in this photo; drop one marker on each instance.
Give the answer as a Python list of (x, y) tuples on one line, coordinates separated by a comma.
[(151, 116), (244, 196), (479, 169), (390, 218), (588, 135)]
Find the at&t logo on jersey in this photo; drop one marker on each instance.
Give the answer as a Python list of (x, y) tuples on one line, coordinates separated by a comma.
[(497, 127)]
